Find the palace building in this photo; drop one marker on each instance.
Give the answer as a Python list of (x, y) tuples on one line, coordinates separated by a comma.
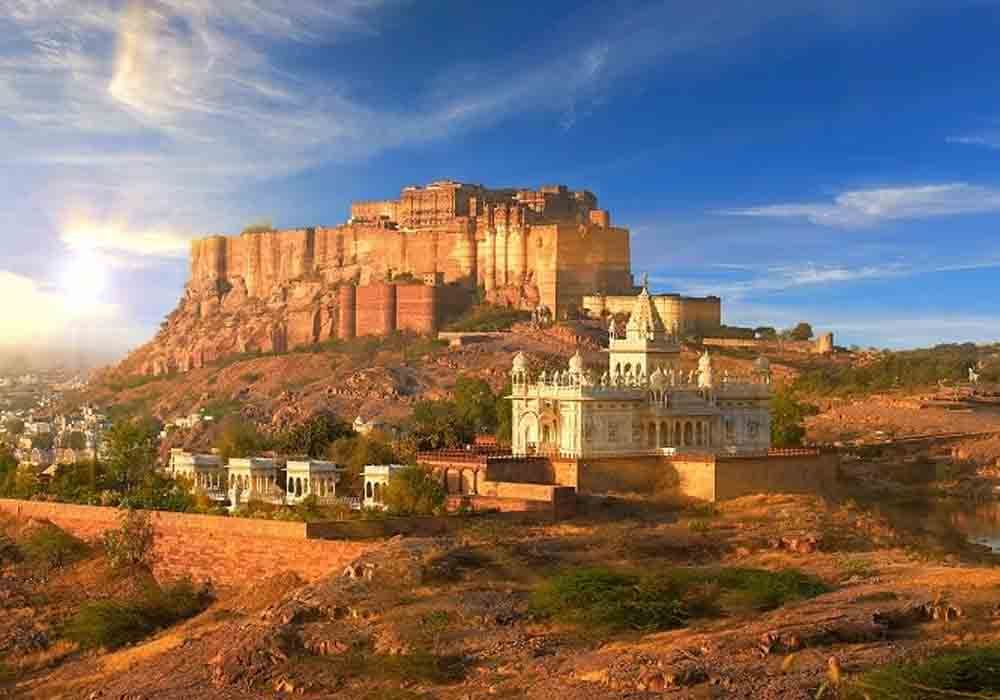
[(643, 403)]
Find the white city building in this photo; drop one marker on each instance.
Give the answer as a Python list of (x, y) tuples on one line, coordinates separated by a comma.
[(643, 403)]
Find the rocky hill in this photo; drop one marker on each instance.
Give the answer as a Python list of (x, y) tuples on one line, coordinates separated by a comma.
[(372, 377)]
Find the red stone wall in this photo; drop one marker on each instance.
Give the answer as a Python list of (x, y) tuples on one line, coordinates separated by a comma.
[(347, 323), (227, 551), (416, 308), (376, 313)]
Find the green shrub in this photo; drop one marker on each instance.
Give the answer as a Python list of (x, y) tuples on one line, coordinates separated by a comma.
[(50, 547), (601, 598), (164, 606), (413, 491), (109, 624), (417, 666), (132, 543), (487, 317), (952, 674), (106, 624), (615, 601), (767, 590)]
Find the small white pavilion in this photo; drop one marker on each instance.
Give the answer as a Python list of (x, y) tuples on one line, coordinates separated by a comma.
[(376, 477), (254, 479), (304, 478)]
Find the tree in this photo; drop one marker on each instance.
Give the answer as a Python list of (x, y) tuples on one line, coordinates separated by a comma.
[(505, 417), (74, 440), (132, 451), (313, 437), (131, 545), (436, 425), (787, 418), (43, 441), (413, 491), (8, 472), (801, 331), (765, 333), (239, 439), (353, 453), (476, 404)]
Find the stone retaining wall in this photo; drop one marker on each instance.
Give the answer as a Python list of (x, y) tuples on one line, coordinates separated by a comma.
[(227, 551)]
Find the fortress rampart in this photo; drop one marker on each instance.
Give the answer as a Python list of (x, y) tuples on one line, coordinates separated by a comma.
[(524, 247), (404, 264), (697, 315)]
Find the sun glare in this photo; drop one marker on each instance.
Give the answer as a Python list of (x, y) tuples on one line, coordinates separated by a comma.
[(83, 281)]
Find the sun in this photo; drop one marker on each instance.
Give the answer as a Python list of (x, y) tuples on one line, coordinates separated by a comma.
[(83, 281)]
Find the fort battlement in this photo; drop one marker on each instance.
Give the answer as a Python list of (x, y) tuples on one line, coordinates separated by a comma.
[(546, 247), (403, 264)]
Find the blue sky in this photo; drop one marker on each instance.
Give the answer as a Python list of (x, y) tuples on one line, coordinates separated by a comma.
[(834, 161)]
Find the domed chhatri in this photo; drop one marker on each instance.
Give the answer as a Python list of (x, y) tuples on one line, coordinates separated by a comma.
[(657, 380), (576, 363), (520, 362), (762, 364)]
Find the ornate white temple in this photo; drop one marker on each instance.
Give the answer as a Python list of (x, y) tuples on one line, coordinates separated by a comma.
[(643, 403)]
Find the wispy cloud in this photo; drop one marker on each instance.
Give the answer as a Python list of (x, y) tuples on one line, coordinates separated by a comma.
[(872, 329), (864, 208), (989, 139), (760, 281), (82, 233)]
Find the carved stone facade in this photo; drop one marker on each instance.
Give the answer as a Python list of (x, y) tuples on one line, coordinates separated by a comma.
[(643, 404)]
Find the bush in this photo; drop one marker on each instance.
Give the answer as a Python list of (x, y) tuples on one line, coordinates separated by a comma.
[(487, 317), (131, 545), (50, 547), (106, 624), (109, 624), (601, 598), (413, 491), (766, 590), (956, 673), (616, 601)]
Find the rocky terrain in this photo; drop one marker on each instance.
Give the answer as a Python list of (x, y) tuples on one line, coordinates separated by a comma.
[(371, 377), (457, 618)]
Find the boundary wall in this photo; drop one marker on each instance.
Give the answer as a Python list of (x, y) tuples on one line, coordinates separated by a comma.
[(227, 551), (705, 477)]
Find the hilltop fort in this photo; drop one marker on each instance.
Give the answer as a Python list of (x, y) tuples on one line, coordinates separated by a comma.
[(403, 264)]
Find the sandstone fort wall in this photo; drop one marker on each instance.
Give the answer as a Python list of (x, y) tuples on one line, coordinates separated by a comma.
[(227, 551), (698, 315), (376, 310)]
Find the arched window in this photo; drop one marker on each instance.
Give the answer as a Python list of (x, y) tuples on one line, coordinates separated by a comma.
[(368, 489), (298, 487), (378, 494)]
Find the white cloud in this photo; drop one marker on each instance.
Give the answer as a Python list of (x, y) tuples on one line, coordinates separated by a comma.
[(862, 208), (40, 316), (81, 233)]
